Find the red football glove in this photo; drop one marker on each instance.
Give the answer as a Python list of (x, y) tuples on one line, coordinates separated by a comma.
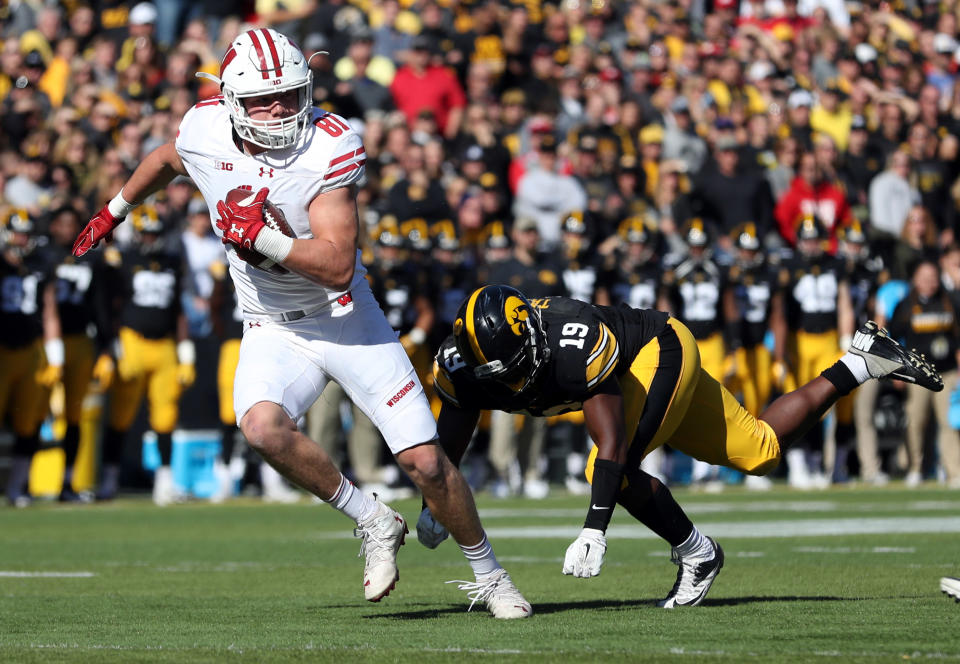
[(99, 228), (242, 223)]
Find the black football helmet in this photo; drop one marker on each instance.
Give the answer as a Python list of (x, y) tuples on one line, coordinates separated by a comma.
[(18, 232), (499, 335)]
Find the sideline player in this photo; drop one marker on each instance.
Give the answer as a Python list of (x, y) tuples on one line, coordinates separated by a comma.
[(31, 348), (319, 320), (636, 375)]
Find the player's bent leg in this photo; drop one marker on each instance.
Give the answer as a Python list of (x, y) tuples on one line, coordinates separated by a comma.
[(451, 503), (873, 354), (274, 435), (698, 557)]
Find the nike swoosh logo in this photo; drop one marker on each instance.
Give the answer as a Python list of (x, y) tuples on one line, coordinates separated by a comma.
[(597, 507)]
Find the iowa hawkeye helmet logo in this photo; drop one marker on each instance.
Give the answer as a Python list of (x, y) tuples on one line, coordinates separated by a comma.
[(517, 314)]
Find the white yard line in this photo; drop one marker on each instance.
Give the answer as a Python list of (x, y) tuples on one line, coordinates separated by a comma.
[(724, 507), (16, 574), (752, 529)]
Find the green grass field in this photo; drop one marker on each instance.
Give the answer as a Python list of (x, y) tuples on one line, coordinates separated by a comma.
[(846, 575)]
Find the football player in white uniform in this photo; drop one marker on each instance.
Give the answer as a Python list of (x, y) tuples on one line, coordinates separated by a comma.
[(317, 320)]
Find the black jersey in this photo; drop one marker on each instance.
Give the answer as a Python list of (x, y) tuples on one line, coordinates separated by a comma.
[(581, 276), (753, 288), (452, 285), (21, 299), (152, 286), (541, 279), (397, 289), (864, 278), (811, 288), (637, 286), (79, 288), (695, 288), (588, 344)]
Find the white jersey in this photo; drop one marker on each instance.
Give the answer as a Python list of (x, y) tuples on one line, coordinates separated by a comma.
[(328, 155)]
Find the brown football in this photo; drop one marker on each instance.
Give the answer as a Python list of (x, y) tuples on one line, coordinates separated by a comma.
[(273, 218)]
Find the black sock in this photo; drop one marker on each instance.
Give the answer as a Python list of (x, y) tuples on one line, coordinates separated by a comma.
[(165, 447), (228, 439), (71, 444), (25, 446), (652, 504), (112, 453), (841, 377)]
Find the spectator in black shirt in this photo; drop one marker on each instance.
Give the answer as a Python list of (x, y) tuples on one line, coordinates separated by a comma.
[(729, 197), (927, 320)]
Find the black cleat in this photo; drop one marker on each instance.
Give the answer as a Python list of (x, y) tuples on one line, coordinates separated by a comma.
[(68, 495), (886, 358)]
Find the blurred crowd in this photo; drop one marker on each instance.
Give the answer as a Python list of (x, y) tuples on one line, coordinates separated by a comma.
[(773, 172)]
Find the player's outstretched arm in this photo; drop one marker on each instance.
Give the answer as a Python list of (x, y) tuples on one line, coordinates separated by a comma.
[(154, 172), (603, 416)]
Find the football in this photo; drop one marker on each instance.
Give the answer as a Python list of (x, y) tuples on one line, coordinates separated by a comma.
[(273, 218)]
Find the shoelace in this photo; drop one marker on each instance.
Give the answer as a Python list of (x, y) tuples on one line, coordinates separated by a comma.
[(478, 591), (368, 538)]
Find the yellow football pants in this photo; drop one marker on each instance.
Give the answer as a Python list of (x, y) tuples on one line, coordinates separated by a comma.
[(815, 352), (712, 354), (226, 370), (669, 398), (77, 370), (145, 366), (22, 399), (752, 377)]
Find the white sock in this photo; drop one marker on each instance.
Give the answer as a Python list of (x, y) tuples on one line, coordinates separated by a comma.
[(694, 544), (857, 366), (352, 501), (481, 558)]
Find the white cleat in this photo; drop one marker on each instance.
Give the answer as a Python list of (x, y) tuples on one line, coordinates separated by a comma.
[(383, 534), (951, 587), (165, 491), (501, 596), (694, 578), (757, 483)]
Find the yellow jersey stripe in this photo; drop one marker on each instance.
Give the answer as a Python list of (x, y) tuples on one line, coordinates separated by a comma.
[(603, 359), (471, 329), (441, 380)]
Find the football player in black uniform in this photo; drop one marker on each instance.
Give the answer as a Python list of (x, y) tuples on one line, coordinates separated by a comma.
[(813, 303), (693, 291), (452, 277), (154, 355), (865, 274), (581, 269), (82, 305), (636, 375), (633, 273), (750, 286), (31, 348)]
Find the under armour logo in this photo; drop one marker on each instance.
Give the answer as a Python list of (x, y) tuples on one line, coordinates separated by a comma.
[(253, 324), (266, 171), (236, 230)]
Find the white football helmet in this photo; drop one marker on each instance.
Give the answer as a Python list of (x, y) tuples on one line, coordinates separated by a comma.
[(262, 62)]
